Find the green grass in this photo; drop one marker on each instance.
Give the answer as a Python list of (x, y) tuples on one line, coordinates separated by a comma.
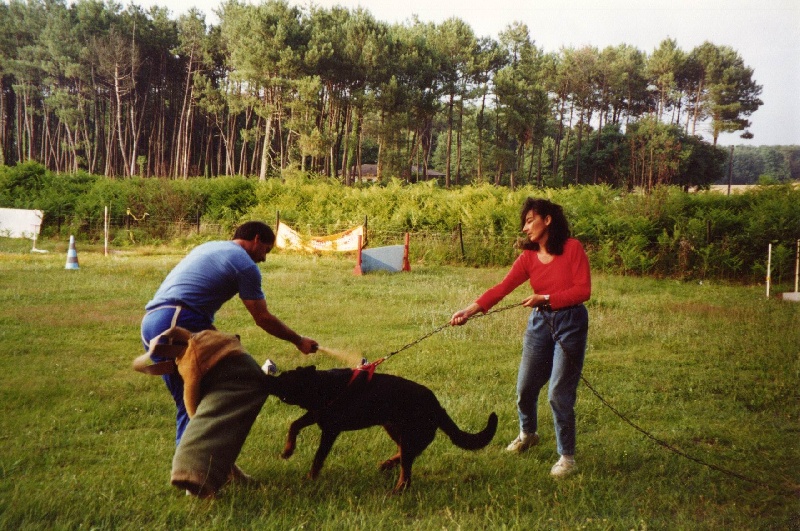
[(85, 442)]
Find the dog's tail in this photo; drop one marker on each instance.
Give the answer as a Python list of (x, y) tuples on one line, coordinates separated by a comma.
[(463, 439)]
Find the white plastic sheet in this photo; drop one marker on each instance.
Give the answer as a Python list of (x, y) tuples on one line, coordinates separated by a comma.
[(19, 223)]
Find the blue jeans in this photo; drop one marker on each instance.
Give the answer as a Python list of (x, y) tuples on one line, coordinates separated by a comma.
[(160, 320), (553, 349)]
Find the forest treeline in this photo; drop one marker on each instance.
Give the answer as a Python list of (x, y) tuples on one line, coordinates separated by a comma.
[(763, 164), (90, 86), (665, 233)]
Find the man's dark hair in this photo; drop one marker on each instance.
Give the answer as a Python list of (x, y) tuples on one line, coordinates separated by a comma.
[(558, 230), (249, 230)]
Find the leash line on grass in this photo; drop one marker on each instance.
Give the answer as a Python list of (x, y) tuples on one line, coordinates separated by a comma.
[(606, 403), (660, 442), (673, 449)]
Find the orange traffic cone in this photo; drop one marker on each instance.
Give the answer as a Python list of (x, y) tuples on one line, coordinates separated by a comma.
[(72, 255)]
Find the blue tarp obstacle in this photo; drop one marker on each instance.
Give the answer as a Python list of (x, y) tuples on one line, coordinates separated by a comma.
[(393, 258)]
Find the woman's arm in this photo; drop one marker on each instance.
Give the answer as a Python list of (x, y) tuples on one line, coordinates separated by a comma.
[(516, 276)]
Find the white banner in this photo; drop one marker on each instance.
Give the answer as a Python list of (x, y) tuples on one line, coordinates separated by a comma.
[(18, 223), (287, 238)]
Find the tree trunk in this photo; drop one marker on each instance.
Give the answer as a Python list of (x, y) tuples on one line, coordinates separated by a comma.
[(136, 121), (359, 140), (181, 147), (578, 150), (559, 136), (345, 151), (539, 166), (283, 156), (530, 166), (265, 156), (480, 136), (381, 141), (597, 149), (120, 132), (697, 100), (449, 141), (4, 124), (566, 141), (458, 139), (414, 154)]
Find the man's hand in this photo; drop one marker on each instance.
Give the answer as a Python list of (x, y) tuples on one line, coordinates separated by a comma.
[(306, 345)]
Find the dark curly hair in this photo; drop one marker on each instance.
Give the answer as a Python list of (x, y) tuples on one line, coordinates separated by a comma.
[(558, 230), (249, 230)]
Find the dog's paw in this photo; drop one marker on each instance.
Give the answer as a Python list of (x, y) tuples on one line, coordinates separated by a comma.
[(400, 488), (388, 464), (287, 453)]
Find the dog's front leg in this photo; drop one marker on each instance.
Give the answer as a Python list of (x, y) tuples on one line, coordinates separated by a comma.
[(294, 429), (325, 445)]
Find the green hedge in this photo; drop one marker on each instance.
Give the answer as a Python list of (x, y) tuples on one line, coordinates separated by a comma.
[(667, 233)]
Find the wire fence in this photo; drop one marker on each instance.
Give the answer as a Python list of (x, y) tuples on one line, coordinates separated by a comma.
[(464, 246), (456, 246)]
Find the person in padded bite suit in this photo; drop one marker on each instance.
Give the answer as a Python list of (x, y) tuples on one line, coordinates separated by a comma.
[(233, 391)]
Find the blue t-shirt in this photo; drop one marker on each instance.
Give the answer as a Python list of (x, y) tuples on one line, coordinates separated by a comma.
[(210, 275)]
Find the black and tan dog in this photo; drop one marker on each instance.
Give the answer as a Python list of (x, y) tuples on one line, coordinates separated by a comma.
[(343, 399)]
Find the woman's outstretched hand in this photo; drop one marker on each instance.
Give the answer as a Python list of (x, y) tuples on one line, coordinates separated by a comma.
[(462, 316)]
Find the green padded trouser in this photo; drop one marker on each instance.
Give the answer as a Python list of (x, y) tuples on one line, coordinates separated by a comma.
[(232, 394)]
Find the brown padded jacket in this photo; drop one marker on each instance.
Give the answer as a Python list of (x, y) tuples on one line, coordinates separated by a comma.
[(194, 355)]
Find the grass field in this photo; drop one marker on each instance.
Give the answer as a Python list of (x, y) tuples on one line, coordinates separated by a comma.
[(711, 369)]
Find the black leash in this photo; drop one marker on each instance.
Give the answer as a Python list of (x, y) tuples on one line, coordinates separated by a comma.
[(678, 451), (605, 402), (436, 331), (655, 439)]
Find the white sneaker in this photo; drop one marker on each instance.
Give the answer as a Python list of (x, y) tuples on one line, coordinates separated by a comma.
[(523, 442), (563, 467)]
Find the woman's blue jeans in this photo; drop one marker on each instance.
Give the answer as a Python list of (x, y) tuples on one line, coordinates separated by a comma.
[(553, 349)]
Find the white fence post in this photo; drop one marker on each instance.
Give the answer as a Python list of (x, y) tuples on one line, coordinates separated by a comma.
[(769, 266)]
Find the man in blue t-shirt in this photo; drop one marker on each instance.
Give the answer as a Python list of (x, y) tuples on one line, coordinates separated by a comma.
[(210, 275)]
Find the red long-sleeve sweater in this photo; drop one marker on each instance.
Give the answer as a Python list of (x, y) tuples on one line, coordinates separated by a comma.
[(566, 278)]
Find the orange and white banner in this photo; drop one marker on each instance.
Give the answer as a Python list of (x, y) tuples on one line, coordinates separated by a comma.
[(287, 238)]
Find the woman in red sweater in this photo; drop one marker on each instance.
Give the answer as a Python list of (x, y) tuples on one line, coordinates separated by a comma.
[(554, 343)]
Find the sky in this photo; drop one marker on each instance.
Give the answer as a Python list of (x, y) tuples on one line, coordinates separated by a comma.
[(765, 33)]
